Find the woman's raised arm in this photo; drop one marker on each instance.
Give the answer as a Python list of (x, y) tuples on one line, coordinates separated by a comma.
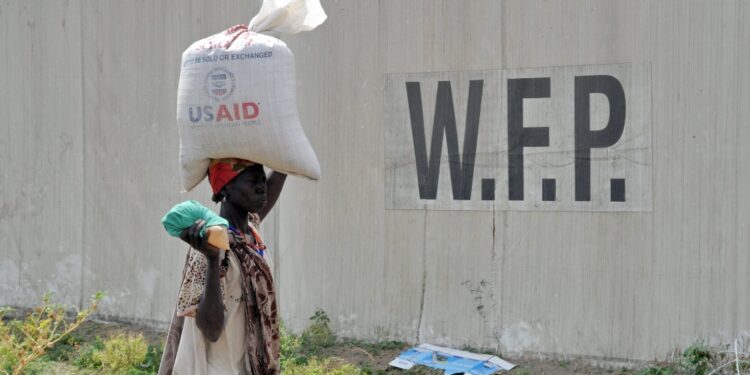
[(274, 185)]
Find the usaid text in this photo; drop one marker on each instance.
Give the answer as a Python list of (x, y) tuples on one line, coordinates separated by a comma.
[(565, 138)]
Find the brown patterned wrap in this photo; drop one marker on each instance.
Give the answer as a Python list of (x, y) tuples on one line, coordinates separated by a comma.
[(260, 306)]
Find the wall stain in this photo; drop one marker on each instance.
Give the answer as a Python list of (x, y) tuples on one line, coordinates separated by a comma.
[(477, 291), (6, 212)]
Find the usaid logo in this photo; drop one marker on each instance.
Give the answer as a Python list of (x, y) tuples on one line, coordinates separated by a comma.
[(574, 138), (219, 84)]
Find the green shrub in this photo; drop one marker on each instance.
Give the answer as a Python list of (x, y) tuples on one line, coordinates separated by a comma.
[(291, 349), (122, 353), (135, 371), (297, 352), (696, 359), (328, 366), (96, 354), (39, 367), (23, 341), (65, 349), (657, 370), (8, 359), (318, 335), (153, 359), (86, 357)]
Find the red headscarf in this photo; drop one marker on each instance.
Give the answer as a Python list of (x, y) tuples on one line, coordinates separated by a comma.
[(221, 171)]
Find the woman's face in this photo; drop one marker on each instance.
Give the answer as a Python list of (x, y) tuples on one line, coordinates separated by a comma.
[(248, 189)]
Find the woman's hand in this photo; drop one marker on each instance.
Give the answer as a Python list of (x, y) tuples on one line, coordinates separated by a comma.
[(192, 236)]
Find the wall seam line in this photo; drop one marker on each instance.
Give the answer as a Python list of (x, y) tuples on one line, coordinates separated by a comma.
[(494, 273), (737, 147), (503, 65), (83, 157), (503, 37), (424, 278)]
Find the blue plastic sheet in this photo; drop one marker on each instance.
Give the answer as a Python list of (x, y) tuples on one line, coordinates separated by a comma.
[(451, 361)]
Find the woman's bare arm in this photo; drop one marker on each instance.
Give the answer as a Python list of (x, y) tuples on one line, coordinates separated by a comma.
[(210, 314), (274, 185)]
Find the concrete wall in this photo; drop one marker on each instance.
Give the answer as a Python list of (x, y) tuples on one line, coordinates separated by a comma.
[(90, 147), (90, 150)]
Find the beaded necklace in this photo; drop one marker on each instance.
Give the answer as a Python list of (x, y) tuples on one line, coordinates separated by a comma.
[(258, 245)]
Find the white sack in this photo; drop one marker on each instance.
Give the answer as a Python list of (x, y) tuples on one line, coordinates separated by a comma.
[(288, 16), (236, 96)]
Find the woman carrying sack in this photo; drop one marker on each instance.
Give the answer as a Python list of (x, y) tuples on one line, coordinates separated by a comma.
[(236, 97), (226, 320)]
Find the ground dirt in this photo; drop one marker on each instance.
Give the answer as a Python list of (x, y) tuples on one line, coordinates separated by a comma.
[(364, 355)]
